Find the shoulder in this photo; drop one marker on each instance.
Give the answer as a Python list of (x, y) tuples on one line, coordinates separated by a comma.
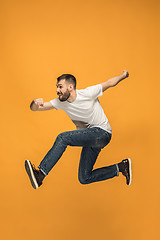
[(92, 91)]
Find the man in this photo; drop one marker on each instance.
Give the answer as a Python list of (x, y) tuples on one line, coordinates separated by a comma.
[(93, 131)]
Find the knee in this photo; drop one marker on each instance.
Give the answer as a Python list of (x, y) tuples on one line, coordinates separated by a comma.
[(83, 179), (60, 138)]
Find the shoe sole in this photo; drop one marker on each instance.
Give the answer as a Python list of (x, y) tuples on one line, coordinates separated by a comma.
[(130, 171), (30, 173)]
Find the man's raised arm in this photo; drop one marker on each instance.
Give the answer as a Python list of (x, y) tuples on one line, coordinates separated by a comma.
[(40, 105), (114, 81)]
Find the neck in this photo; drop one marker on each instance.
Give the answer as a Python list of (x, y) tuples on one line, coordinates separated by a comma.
[(73, 96)]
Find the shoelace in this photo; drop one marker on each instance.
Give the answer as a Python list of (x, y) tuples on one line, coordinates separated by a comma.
[(35, 170), (37, 174)]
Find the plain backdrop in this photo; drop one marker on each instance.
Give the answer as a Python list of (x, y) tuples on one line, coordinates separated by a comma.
[(94, 41)]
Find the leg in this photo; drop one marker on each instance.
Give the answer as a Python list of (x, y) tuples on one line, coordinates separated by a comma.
[(93, 138), (89, 137), (87, 161)]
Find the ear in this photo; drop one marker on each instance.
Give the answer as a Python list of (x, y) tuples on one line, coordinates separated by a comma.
[(70, 87)]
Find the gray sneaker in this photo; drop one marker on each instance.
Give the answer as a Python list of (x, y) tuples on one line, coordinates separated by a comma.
[(34, 174)]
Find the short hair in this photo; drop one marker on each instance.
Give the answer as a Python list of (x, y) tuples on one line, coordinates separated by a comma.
[(69, 78)]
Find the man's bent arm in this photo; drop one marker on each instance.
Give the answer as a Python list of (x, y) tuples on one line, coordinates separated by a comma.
[(39, 105), (114, 81)]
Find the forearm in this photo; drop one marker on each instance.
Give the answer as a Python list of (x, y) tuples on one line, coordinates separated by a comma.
[(114, 81), (40, 105)]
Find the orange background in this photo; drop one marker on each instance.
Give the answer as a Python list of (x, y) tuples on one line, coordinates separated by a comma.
[(93, 40)]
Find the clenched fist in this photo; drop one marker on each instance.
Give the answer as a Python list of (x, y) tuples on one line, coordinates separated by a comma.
[(125, 73), (36, 104), (39, 102)]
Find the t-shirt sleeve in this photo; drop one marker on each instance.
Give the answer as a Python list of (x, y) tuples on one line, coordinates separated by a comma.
[(94, 91), (55, 103)]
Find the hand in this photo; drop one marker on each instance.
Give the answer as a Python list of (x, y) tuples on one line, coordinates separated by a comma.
[(39, 102), (125, 73)]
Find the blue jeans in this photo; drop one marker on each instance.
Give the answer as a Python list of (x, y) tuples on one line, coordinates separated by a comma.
[(92, 140)]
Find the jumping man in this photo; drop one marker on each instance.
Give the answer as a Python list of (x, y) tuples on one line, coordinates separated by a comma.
[(93, 131)]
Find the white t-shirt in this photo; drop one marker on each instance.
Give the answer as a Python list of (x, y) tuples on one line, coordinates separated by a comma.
[(86, 110)]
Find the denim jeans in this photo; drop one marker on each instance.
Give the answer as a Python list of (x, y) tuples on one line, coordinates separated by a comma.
[(92, 140)]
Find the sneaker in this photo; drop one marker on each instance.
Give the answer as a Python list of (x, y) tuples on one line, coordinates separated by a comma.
[(33, 174), (127, 170)]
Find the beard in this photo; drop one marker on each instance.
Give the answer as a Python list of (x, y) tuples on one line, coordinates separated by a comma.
[(64, 96)]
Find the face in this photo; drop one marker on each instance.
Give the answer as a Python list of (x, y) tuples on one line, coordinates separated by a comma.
[(63, 90)]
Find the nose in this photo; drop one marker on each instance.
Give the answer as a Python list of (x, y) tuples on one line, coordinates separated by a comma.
[(57, 90)]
